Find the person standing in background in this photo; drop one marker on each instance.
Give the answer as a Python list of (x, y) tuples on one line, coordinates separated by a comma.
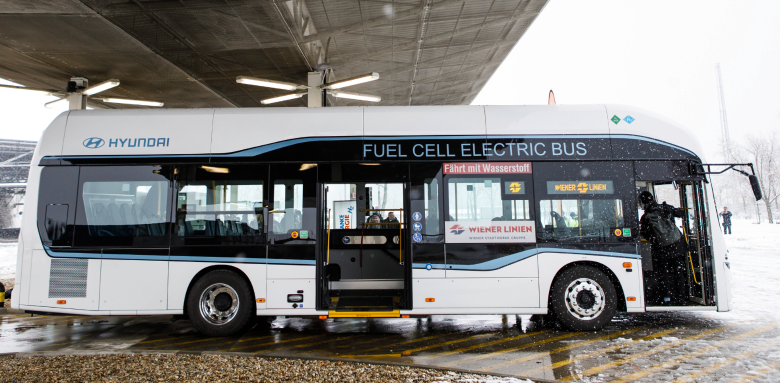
[(726, 214)]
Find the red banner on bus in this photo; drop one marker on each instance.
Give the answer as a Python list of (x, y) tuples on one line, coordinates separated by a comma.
[(487, 168)]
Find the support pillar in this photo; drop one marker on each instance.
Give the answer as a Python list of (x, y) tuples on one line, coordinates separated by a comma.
[(77, 101), (315, 93)]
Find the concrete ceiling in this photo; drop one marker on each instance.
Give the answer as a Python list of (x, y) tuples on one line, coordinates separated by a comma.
[(187, 53)]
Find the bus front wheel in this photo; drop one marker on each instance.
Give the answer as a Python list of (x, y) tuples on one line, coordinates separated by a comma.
[(583, 299), (220, 303)]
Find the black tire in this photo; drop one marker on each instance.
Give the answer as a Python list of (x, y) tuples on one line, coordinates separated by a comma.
[(224, 287), (583, 298)]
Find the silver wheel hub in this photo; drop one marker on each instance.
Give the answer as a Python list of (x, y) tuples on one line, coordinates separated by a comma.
[(585, 299), (219, 304)]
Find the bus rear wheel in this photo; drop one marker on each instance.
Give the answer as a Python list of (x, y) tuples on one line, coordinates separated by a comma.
[(583, 299), (220, 303)]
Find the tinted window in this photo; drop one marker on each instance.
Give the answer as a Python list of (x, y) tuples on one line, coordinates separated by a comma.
[(487, 198), (293, 211), (224, 203), (123, 206), (57, 204), (585, 202)]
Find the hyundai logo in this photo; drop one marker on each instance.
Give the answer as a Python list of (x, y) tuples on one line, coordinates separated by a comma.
[(93, 143)]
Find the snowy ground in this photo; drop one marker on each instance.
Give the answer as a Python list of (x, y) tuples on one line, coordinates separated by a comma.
[(8, 258)]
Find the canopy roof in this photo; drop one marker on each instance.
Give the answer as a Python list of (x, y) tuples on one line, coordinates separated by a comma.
[(187, 53)]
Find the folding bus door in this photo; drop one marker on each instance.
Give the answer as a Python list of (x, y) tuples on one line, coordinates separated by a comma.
[(699, 257)]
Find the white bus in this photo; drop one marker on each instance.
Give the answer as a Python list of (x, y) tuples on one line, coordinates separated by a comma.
[(226, 214)]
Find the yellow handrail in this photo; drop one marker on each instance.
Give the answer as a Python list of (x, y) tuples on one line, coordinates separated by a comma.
[(690, 257), (327, 257)]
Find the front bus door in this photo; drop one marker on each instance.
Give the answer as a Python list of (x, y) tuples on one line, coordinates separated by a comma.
[(363, 269), (697, 237)]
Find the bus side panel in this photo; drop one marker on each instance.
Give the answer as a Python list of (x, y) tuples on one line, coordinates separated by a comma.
[(526, 268), (491, 294), (133, 285), (551, 263), (41, 286), (291, 279), (181, 275)]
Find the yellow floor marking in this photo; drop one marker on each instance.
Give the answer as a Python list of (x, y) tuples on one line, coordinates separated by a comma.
[(406, 342), (529, 345), (619, 362), (728, 361), (755, 374), (344, 345), (678, 360), (209, 339), (435, 345), (559, 349), (597, 352), (276, 342), (323, 341), (486, 344)]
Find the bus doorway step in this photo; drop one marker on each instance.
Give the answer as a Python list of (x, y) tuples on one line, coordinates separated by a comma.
[(364, 314)]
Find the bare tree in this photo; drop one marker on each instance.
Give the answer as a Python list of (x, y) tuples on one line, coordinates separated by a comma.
[(762, 150)]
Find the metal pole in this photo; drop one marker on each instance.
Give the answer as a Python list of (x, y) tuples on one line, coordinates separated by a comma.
[(724, 125)]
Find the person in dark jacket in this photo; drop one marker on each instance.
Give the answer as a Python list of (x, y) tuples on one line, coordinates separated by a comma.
[(726, 215), (669, 249)]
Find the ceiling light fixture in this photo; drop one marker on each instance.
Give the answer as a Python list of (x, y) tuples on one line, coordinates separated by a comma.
[(212, 169), (105, 85), (282, 98), (351, 81), (268, 83), (132, 102), (357, 96), (307, 167), (56, 103)]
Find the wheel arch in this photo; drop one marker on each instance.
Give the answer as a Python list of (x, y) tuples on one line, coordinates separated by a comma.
[(211, 268), (621, 297)]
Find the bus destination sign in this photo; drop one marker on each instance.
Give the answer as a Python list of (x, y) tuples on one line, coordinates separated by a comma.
[(488, 168)]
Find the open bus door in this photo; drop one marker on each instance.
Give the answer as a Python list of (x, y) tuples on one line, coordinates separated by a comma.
[(365, 264), (695, 256), (684, 188)]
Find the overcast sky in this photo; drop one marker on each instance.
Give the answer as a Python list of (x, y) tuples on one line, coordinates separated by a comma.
[(658, 55)]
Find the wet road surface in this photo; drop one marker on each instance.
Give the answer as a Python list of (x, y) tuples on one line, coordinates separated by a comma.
[(646, 347)]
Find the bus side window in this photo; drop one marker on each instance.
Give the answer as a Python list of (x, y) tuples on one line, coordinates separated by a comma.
[(487, 198), (287, 210), (292, 215), (221, 202), (585, 202), (123, 206)]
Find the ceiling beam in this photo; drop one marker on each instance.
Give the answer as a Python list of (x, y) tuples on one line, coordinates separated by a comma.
[(439, 37), (376, 21)]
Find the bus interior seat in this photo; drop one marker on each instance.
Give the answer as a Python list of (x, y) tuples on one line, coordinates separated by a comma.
[(113, 213)]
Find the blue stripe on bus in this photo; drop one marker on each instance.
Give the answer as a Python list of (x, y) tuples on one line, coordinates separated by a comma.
[(136, 257), (517, 257), (58, 254)]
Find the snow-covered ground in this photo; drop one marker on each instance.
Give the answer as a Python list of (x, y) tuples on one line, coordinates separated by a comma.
[(754, 253), (8, 258)]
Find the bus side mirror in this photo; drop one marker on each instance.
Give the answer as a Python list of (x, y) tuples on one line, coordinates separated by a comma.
[(756, 187)]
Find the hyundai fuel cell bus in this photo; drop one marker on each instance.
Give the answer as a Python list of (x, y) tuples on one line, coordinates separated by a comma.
[(227, 214)]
